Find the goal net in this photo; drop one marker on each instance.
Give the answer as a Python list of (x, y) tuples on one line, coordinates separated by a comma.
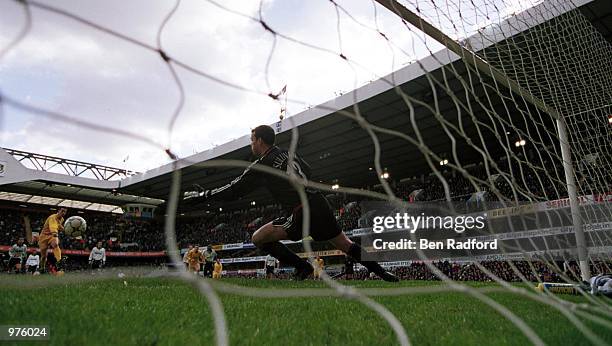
[(504, 106)]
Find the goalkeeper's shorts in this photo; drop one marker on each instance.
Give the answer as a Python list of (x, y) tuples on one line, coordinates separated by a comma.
[(323, 225)]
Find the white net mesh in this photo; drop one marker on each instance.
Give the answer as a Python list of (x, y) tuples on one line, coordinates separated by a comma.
[(485, 120)]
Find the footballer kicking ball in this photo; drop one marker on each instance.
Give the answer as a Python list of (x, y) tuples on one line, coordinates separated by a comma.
[(75, 226)]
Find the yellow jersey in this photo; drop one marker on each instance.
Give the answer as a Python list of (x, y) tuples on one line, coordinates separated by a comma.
[(194, 256), (218, 267), (53, 224)]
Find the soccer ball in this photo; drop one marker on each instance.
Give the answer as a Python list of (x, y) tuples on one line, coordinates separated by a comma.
[(75, 226)]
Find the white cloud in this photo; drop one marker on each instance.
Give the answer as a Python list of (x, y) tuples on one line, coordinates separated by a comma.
[(79, 71)]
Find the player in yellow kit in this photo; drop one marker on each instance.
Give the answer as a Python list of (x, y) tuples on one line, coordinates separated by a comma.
[(318, 267), (218, 269), (49, 239), (194, 257)]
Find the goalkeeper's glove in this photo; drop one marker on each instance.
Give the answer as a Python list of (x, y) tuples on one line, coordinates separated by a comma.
[(198, 194)]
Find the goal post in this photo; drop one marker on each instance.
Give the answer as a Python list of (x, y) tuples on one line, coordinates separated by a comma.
[(481, 64)]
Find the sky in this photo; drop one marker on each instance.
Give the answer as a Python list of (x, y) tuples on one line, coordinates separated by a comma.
[(67, 67)]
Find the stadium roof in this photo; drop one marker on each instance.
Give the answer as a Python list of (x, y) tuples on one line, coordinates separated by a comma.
[(337, 148), (73, 194), (59, 202), (80, 191)]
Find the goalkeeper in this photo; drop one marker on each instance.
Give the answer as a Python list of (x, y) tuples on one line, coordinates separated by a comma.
[(323, 226)]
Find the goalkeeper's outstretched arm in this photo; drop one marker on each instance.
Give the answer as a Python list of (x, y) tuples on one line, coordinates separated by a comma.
[(238, 187)]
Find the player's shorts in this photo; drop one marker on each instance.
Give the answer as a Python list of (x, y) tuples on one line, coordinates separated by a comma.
[(208, 267), (44, 240), (323, 225), (194, 266), (32, 269), (216, 275), (269, 269), (96, 264), (13, 262)]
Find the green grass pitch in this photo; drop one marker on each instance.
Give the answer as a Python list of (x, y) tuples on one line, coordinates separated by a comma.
[(165, 311)]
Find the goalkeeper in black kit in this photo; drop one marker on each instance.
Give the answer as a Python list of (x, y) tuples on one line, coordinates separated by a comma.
[(323, 226)]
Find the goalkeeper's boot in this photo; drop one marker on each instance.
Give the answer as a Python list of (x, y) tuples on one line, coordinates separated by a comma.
[(355, 251), (388, 276), (303, 271)]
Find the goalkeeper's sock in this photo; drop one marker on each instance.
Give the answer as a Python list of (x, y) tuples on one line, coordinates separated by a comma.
[(355, 252), (281, 252)]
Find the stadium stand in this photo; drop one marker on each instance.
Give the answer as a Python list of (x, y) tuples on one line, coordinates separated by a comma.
[(237, 226), (11, 226), (121, 233)]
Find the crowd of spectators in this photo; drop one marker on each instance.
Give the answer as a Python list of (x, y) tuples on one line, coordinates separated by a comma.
[(106, 227), (11, 226), (471, 272), (521, 181), (531, 271), (125, 234), (223, 228), (149, 236), (515, 181)]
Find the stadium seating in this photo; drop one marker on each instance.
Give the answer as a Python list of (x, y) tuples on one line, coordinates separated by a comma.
[(238, 226), (123, 234)]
